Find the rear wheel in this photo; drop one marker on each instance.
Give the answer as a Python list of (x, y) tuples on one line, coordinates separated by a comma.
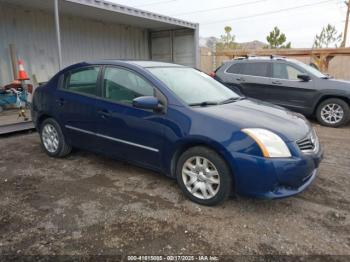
[(53, 140), (333, 112), (204, 176)]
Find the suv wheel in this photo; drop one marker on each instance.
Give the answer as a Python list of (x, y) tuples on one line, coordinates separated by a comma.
[(333, 112), (204, 176), (52, 139)]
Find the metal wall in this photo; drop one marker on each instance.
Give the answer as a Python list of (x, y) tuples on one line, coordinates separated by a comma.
[(33, 34), (176, 46)]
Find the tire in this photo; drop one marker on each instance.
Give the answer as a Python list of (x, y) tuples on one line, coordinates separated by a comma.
[(52, 139), (341, 109), (187, 171)]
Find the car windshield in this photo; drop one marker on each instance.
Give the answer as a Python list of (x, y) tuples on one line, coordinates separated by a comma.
[(194, 87), (310, 69)]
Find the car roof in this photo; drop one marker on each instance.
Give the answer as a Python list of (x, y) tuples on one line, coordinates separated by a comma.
[(260, 59), (148, 64), (141, 63)]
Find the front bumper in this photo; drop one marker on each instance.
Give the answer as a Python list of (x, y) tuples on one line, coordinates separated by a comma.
[(266, 178), (283, 191)]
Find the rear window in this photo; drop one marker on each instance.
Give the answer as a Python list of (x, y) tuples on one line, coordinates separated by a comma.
[(235, 69), (83, 80), (255, 69)]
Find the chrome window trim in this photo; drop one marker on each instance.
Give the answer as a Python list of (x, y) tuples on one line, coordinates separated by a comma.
[(271, 78), (111, 138)]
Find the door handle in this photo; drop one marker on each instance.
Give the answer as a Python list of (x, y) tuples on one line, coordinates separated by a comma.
[(60, 101), (240, 79), (104, 113), (277, 82)]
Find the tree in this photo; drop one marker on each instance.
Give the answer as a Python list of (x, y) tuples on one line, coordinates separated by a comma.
[(328, 37), (211, 41), (227, 40), (276, 39)]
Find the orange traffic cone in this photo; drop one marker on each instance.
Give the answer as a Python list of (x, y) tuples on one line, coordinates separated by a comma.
[(22, 74)]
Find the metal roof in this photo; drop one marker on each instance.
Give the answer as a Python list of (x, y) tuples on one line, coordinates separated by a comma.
[(107, 12)]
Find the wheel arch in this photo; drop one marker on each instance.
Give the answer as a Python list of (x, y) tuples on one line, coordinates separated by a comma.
[(189, 143), (329, 96), (40, 120)]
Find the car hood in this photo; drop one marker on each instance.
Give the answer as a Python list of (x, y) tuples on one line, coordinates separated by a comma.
[(249, 113), (337, 84)]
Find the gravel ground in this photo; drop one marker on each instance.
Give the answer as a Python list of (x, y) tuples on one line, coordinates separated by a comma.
[(88, 204)]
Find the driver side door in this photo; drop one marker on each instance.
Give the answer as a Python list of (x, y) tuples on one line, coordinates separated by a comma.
[(287, 90), (124, 131)]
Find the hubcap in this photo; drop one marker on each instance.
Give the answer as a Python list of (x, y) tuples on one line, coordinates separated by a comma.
[(201, 177), (50, 138), (332, 113)]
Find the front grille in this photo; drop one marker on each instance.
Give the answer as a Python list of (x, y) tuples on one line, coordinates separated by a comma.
[(309, 144)]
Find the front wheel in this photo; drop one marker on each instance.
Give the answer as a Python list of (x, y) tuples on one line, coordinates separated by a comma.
[(204, 176), (52, 139), (333, 112)]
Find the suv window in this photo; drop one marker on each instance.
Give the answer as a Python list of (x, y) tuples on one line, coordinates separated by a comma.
[(83, 80), (255, 69), (234, 69), (123, 86), (285, 71)]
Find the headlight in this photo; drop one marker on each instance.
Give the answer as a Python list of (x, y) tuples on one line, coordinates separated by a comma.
[(270, 144)]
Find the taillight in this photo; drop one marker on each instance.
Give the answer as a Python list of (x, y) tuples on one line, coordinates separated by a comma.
[(212, 74)]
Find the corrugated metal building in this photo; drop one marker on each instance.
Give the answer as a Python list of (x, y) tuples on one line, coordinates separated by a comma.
[(90, 29)]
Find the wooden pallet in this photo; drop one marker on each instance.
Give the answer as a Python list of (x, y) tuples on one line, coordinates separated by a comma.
[(10, 122), (16, 127)]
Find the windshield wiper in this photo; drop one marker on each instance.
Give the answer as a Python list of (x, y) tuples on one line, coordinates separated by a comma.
[(231, 99), (205, 103)]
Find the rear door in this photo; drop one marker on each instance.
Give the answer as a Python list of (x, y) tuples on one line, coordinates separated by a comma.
[(75, 105), (251, 78), (254, 79), (125, 131), (287, 90)]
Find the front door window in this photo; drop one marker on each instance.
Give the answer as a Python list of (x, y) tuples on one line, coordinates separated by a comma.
[(123, 86)]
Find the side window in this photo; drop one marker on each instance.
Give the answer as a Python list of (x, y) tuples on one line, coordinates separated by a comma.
[(234, 69), (123, 86), (284, 71), (256, 69), (83, 80)]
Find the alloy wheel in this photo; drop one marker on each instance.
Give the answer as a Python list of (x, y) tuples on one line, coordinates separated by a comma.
[(201, 177), (50, 138), (332, 113)]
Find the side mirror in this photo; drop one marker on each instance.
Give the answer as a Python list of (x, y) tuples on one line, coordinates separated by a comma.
[(147, 102), (304, 77)]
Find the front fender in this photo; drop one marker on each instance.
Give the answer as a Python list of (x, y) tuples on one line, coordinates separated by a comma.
[(329, 93), (196, 140)]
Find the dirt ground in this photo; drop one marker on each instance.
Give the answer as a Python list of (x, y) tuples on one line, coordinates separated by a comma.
[(88, 204)]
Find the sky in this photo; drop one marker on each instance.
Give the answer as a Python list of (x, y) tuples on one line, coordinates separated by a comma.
[(300, 20)]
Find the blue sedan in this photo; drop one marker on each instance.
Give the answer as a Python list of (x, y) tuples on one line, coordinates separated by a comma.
[(180, 122)]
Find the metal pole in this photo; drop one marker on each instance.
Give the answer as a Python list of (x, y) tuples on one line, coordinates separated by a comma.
[(13, 60), (196, 47), (343, 44), (58, 35)]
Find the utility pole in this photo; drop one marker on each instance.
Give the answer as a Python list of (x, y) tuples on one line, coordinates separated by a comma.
[(58, 34), (343, 44)]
